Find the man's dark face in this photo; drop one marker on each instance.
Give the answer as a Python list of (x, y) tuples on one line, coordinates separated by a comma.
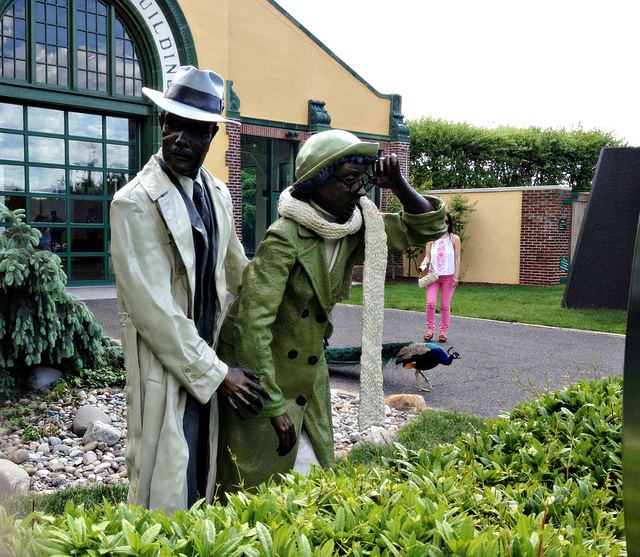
[(185, 143)]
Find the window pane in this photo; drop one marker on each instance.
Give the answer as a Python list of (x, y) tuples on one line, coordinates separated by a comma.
[(87, 268), (14, 202), (86, 182), (46, 149), (85, 125), (47, 208), (11, 177), (118, 129), (11, 116), (51, 41), (47, 180), (11, 147), (87, 239), (115, 180), (85, 153), (12, 41), (85, 211), (120, 156), (45, 120)]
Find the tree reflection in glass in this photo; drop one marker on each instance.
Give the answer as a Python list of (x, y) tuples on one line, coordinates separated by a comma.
[(86, 182)]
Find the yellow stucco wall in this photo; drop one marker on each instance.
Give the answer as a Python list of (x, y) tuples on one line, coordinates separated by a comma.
[(491, 250), (276, 68), (209, 26)]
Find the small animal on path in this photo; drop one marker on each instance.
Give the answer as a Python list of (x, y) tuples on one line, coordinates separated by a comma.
[(423, 356)]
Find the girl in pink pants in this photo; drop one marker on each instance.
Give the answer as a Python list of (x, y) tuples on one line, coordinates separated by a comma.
[(443, 256)]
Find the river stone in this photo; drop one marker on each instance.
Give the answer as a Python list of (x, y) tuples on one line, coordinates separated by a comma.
[(85, 415), (14, 480), (101, 432)]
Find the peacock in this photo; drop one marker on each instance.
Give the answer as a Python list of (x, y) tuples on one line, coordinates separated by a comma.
[(348, 359), (422, 356)]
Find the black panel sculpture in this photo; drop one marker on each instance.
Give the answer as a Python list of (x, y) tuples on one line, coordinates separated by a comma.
[(601, 268)]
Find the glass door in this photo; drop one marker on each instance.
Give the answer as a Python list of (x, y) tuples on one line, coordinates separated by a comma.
[(267, 169)]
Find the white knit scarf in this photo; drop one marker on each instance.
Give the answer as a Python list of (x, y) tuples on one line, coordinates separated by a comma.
[(373, 278)]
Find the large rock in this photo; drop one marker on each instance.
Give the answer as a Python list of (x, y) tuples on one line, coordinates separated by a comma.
[(411, 404), (18, 456), (41, 378), (14, 480), (85, 416), (101, 432)]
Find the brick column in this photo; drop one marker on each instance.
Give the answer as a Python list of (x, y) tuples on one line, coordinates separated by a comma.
[(234, 162), (542, 243), (402, 149)]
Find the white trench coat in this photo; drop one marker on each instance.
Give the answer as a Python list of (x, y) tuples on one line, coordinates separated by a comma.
[(154, 261)]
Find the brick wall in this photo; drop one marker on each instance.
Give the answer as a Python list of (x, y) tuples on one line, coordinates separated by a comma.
[(234, 162), (542, 243)]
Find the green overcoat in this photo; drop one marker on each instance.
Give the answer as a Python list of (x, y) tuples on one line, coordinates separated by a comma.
[(276, 325)]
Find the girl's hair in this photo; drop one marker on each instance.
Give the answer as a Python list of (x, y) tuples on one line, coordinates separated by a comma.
[(450, 225), (303, 189)]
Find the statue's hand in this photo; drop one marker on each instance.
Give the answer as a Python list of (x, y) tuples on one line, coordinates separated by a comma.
[(387, 172), (239, 388), (286, 433)]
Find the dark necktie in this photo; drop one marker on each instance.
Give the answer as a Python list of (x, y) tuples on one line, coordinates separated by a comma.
[(202, 207)]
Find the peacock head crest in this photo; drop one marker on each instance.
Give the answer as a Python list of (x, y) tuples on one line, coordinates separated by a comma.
[(453, 355)]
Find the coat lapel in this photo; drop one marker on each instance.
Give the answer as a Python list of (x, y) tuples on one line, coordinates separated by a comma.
[(314, 261), (174, 213)]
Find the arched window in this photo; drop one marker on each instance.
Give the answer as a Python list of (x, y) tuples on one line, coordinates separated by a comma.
[(71, 115), (105, 58)]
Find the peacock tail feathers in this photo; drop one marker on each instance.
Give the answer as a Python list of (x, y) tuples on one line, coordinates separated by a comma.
[(352, 355)]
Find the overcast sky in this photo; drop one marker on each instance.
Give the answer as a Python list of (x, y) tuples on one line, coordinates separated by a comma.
[(548, 63)]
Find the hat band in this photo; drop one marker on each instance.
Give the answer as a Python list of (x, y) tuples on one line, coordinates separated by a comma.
[(194, 98)]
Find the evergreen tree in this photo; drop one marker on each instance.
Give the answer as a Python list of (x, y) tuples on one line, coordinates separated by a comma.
[(40, 322)]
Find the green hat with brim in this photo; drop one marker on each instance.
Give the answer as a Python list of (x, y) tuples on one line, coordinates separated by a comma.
[(325, 148)]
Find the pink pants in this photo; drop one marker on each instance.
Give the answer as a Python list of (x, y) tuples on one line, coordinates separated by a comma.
[(446, 283)]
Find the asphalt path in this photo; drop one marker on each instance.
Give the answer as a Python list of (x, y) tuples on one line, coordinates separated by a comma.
[(501, 363)]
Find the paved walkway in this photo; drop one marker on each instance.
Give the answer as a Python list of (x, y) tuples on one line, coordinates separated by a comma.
[(501, 363)]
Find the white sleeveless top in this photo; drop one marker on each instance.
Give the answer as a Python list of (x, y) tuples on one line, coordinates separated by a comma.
[(443, 257)]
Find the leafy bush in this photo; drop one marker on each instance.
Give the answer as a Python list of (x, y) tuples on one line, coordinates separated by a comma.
[(545, 481), (460, 208), (39, 321), (451, 155)]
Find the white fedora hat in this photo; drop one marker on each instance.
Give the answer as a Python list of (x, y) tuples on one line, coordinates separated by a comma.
[(194, 94)]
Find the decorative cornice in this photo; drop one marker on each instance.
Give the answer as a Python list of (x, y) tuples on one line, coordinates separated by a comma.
[(233, 102), (319, 119), (398, 130)]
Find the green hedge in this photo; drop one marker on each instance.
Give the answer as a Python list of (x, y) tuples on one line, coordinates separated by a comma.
[(448, 155), (544, 481)]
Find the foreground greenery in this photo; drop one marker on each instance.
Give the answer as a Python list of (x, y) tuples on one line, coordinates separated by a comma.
[(536, 305), (544, 481)]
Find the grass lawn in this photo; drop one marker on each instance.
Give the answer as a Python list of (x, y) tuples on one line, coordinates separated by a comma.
[(537, 305)]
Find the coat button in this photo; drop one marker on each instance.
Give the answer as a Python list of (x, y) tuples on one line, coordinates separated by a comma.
[(193, 376), (187, 369), (182, 270), (321, 318), (301, 401), (293, 354), (313, 360), (305, 313)]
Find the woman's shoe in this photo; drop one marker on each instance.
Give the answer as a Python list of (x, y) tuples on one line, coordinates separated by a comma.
[(428, 336), (442, 337)]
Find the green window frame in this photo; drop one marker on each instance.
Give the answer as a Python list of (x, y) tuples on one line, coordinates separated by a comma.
[(71, 126), (63, 167)]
